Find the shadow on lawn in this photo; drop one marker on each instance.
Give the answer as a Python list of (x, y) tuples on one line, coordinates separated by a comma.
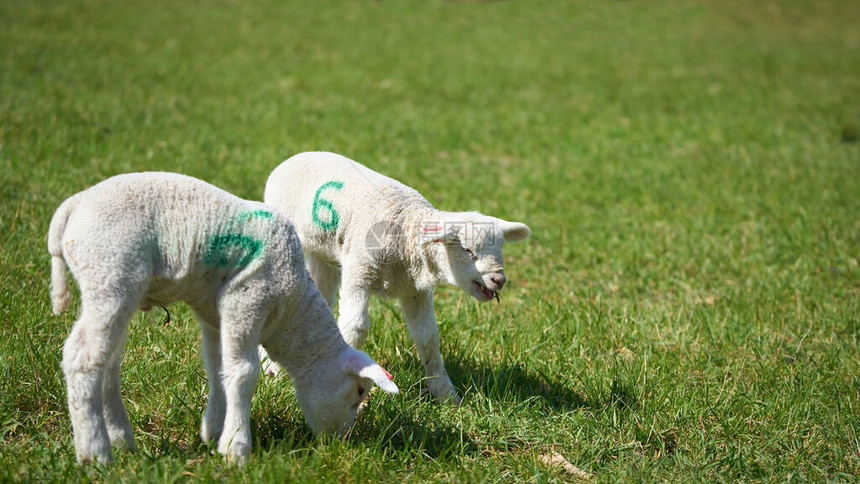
[(513, 382), (433, 437), (401, 431), (407, 431), (272, 429)]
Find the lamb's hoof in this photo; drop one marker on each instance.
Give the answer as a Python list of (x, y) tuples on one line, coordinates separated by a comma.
[(235, 453), (122, 444), (237, 459), (101, 459), (210, 434), (121, 439)]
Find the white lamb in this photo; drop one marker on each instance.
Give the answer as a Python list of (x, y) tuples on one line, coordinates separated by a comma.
[(144, 239), (368, 233)]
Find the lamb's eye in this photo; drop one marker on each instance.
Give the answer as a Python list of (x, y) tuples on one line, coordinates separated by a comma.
[(360, 391), (470, 253)]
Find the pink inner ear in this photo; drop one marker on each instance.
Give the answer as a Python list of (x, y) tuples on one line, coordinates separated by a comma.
[(388, 375)]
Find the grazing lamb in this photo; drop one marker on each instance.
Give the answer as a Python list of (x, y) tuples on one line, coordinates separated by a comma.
[(145, 239), (368, 233)]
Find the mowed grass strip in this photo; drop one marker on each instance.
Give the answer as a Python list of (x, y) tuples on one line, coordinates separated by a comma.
[(687, 308)]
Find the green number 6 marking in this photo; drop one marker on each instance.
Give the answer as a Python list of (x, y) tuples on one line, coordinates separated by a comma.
[(334, 218)]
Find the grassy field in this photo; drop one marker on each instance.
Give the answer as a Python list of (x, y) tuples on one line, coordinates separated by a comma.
[(687, 309)]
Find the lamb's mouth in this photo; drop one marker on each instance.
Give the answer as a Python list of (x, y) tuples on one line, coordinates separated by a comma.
[(488, 294)]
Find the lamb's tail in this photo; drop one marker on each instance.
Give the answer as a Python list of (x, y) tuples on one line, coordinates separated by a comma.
[(60, 295)]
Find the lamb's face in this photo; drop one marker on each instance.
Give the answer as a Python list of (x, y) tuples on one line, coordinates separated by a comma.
[(476, 260), (474, 254), (333, 405), (332, 396)]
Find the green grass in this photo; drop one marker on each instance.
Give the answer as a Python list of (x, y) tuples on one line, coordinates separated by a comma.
[(687, 309)]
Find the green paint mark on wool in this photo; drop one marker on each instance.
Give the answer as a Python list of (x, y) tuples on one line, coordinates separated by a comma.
[(260, 213), (235, 250), (334, 218), (232, 250)]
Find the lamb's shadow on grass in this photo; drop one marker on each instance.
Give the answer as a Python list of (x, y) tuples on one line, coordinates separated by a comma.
[(411, 428), (272, 429), (513, 382), (401, 427), (390, 427), (433, 436)]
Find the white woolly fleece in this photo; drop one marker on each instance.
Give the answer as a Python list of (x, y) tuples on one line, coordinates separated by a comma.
[(368, 233), (145, 239)]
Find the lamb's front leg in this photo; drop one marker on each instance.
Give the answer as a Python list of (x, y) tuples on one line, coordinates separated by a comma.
[(240, 335), (418, 313), (354, 321)]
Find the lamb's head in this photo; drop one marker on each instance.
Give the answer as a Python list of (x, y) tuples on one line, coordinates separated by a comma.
[(332, 394), (472, 244)]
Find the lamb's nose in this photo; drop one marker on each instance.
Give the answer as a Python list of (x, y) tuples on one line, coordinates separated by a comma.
[(499, 279)]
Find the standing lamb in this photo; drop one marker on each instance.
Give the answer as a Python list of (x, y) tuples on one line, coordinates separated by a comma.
[(368, 233), (145, 239)]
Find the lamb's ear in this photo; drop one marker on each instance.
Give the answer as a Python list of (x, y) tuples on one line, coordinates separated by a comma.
[(514, 231), (357, 363), (445, 233)]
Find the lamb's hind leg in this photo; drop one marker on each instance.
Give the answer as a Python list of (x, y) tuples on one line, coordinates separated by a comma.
[(116, 418), (325, 276), (95, 339), (354, 320), (213, 418)]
